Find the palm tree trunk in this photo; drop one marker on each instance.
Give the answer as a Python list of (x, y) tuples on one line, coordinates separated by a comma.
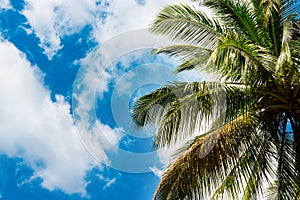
[(296, 131), (297, 144), (280, 161)]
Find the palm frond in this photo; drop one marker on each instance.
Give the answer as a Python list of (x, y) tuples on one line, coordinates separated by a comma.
[(295, 55), (238, 14), (196, 102), (288, 184), (257, 8), (186, 24), (238, 101), (191, 55), (180, 109), (147, 109), (262, 170), (287, 35), (238, 59), (197, 172), (286, 170), (246, 177), (271, 9), (254, 46)]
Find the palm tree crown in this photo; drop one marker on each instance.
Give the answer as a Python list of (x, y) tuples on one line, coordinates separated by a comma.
[(252, 145)]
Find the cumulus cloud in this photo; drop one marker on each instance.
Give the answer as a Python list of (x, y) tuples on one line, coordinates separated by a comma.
[(134, 14), (53, 19), (5, 4), (36, 129)]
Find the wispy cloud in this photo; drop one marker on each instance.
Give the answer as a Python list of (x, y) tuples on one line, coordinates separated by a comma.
[(156, 171), (109, 183)]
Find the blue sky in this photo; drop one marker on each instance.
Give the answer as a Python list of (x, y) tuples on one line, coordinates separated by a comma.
[(70, 71)]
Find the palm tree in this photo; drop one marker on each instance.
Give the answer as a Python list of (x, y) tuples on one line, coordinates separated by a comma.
[(251, 144)]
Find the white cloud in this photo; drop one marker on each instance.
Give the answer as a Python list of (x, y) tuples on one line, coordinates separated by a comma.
[(53, 19), (99, 69), (109, 183), (36, 129), (157, 171), (5, 4), (42, 132), (96, 136), (128, 16)]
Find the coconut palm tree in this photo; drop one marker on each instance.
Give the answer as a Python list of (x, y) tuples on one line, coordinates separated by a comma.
[(250, 115)]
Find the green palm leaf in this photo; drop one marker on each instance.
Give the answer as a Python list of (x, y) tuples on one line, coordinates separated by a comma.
[(253, 113), (192, 56), (210, 157), (184, 23), (180, 107), (237, 14)]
